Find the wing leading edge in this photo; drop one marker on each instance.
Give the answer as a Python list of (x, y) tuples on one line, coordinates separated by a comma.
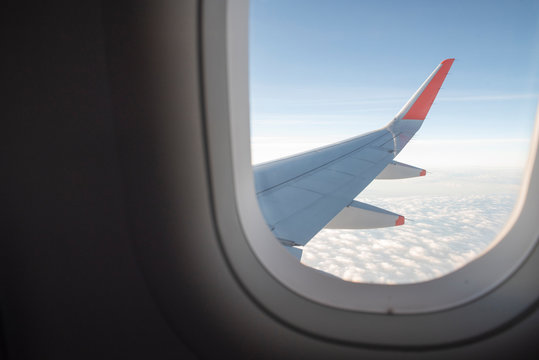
[(300, 194)]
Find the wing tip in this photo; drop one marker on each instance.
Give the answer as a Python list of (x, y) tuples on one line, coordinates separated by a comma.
[(400, 221), (423, 99), (448, 61)]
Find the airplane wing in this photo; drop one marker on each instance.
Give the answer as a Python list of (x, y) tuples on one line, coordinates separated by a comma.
[(299, 195)]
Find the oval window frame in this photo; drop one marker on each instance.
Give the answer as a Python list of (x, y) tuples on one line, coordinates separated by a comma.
[(463, 305)]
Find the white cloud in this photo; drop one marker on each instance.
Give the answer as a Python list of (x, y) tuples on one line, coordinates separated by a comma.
[(447, 232)]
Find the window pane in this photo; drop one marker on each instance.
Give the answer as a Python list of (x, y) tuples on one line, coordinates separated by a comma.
[(324, 71)]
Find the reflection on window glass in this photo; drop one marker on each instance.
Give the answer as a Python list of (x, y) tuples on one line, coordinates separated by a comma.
[(324, 71)]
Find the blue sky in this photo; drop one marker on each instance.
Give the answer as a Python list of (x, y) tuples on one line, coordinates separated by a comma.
[(321, 71)]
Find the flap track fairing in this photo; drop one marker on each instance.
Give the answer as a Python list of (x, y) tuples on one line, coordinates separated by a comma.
[(359, 215), (397, 170)]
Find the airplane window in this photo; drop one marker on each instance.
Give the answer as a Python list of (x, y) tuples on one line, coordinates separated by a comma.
[(389, 138)]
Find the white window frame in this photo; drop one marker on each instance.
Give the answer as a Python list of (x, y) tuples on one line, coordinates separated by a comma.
[(485, 295)]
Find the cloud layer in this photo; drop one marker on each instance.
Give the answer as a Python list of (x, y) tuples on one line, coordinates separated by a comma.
[(442, 233)]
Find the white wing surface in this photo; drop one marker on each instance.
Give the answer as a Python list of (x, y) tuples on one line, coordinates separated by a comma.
[(301, 194)]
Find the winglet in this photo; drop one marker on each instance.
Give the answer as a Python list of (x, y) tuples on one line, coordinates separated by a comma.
[(419, 105)]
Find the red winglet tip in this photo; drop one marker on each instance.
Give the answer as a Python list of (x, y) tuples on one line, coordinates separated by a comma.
[(400, 221), (422, 105), (423, 173)]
